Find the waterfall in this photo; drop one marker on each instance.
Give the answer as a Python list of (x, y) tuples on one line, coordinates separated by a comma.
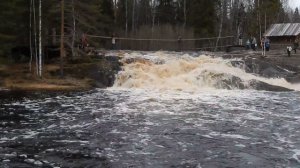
[(175, 71)]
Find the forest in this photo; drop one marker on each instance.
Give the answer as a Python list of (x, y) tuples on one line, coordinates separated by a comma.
[(35, 23)]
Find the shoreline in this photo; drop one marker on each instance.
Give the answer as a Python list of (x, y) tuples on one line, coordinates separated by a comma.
[(82, 75), (100, 71)]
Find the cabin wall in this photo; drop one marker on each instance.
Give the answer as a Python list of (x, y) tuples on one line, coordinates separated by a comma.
[(282, 41)]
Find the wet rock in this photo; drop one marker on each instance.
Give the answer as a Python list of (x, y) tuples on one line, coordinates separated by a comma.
[(294, 78), (258, 85), (112, 59), (23, 156), (38, 163), (262, 68), (102, 73), (235, 48), (231, 83), (227, 81), (29, 160)]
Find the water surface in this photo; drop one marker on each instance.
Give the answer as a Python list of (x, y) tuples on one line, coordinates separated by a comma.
[(143, 128)]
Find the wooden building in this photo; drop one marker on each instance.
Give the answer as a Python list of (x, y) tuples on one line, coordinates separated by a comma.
[(283, 34)]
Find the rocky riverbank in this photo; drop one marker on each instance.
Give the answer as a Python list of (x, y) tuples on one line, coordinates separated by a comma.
[(275, 64), (99, 71), (83, 74)]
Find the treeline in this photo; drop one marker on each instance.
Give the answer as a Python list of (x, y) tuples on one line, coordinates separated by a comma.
[(149, 19)]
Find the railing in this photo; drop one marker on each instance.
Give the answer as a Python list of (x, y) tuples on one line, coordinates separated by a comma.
[(130, 43)]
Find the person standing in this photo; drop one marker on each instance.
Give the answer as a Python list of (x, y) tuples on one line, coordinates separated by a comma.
[(289, 50), (263, 46), (248, 44), (113, 42), (267, 44), (296, 44), (254, 44), (179, 41), (240, 39), (262, 43)]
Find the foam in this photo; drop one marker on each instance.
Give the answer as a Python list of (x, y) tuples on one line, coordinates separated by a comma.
[(162, 70)]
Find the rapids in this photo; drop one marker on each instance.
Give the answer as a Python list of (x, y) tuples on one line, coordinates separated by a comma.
[(165, 70), (164, 110)]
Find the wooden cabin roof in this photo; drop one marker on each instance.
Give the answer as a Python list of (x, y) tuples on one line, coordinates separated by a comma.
[(284, 29)]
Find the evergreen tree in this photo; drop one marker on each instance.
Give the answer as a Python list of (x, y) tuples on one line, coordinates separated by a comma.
[(144, 11), (166, 12), (124, 13), (296, 16), (14, 16), (201, 16)]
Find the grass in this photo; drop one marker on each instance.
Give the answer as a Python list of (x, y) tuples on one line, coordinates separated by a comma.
[(18, 77)]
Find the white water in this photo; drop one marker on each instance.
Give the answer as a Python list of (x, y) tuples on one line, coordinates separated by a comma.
[(170, 71), (144, 121)]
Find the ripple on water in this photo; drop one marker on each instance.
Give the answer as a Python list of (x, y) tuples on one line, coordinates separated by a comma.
[(155, 129)]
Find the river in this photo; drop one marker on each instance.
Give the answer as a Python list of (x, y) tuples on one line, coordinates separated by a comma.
[(161, 112)]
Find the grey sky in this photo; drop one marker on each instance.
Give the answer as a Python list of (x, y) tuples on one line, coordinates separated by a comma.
[(294, 3)]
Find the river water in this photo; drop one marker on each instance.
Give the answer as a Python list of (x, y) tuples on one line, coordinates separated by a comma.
[(155, 117)]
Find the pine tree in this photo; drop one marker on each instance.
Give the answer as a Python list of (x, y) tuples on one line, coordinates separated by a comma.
[(201, 16), (296, 16), (166, 12), (14, 24)]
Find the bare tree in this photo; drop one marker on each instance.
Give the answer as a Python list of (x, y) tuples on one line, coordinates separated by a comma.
[(133, 15), (62, 49), (259, 19), (221, 8), (153, 6), (30, 33), (74, 30), (40, 38), (35, 39), (184, 13), (126, 11), (115, 3)]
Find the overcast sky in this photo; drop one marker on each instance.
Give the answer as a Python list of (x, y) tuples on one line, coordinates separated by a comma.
[(294, 3)]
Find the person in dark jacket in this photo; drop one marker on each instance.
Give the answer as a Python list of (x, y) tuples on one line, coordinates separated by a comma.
[(296, 45), (267, 44)]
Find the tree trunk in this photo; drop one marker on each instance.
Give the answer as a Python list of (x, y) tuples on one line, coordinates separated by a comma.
[(62, 38), (133, 13), (115, 11), (265, 22), (221, 24), (126, 10), (259, 20), (30, 35), (40, 38), (184, 13), (74, 30), (153, 16), (35, 40)]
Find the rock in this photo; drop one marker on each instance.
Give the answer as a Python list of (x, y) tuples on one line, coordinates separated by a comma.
[(38, 163), (227, 81), (235, 48), (231, 83), (23, 156), (295, 78), (101, 73), (258, 85), (29, 160), (265, 69)]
